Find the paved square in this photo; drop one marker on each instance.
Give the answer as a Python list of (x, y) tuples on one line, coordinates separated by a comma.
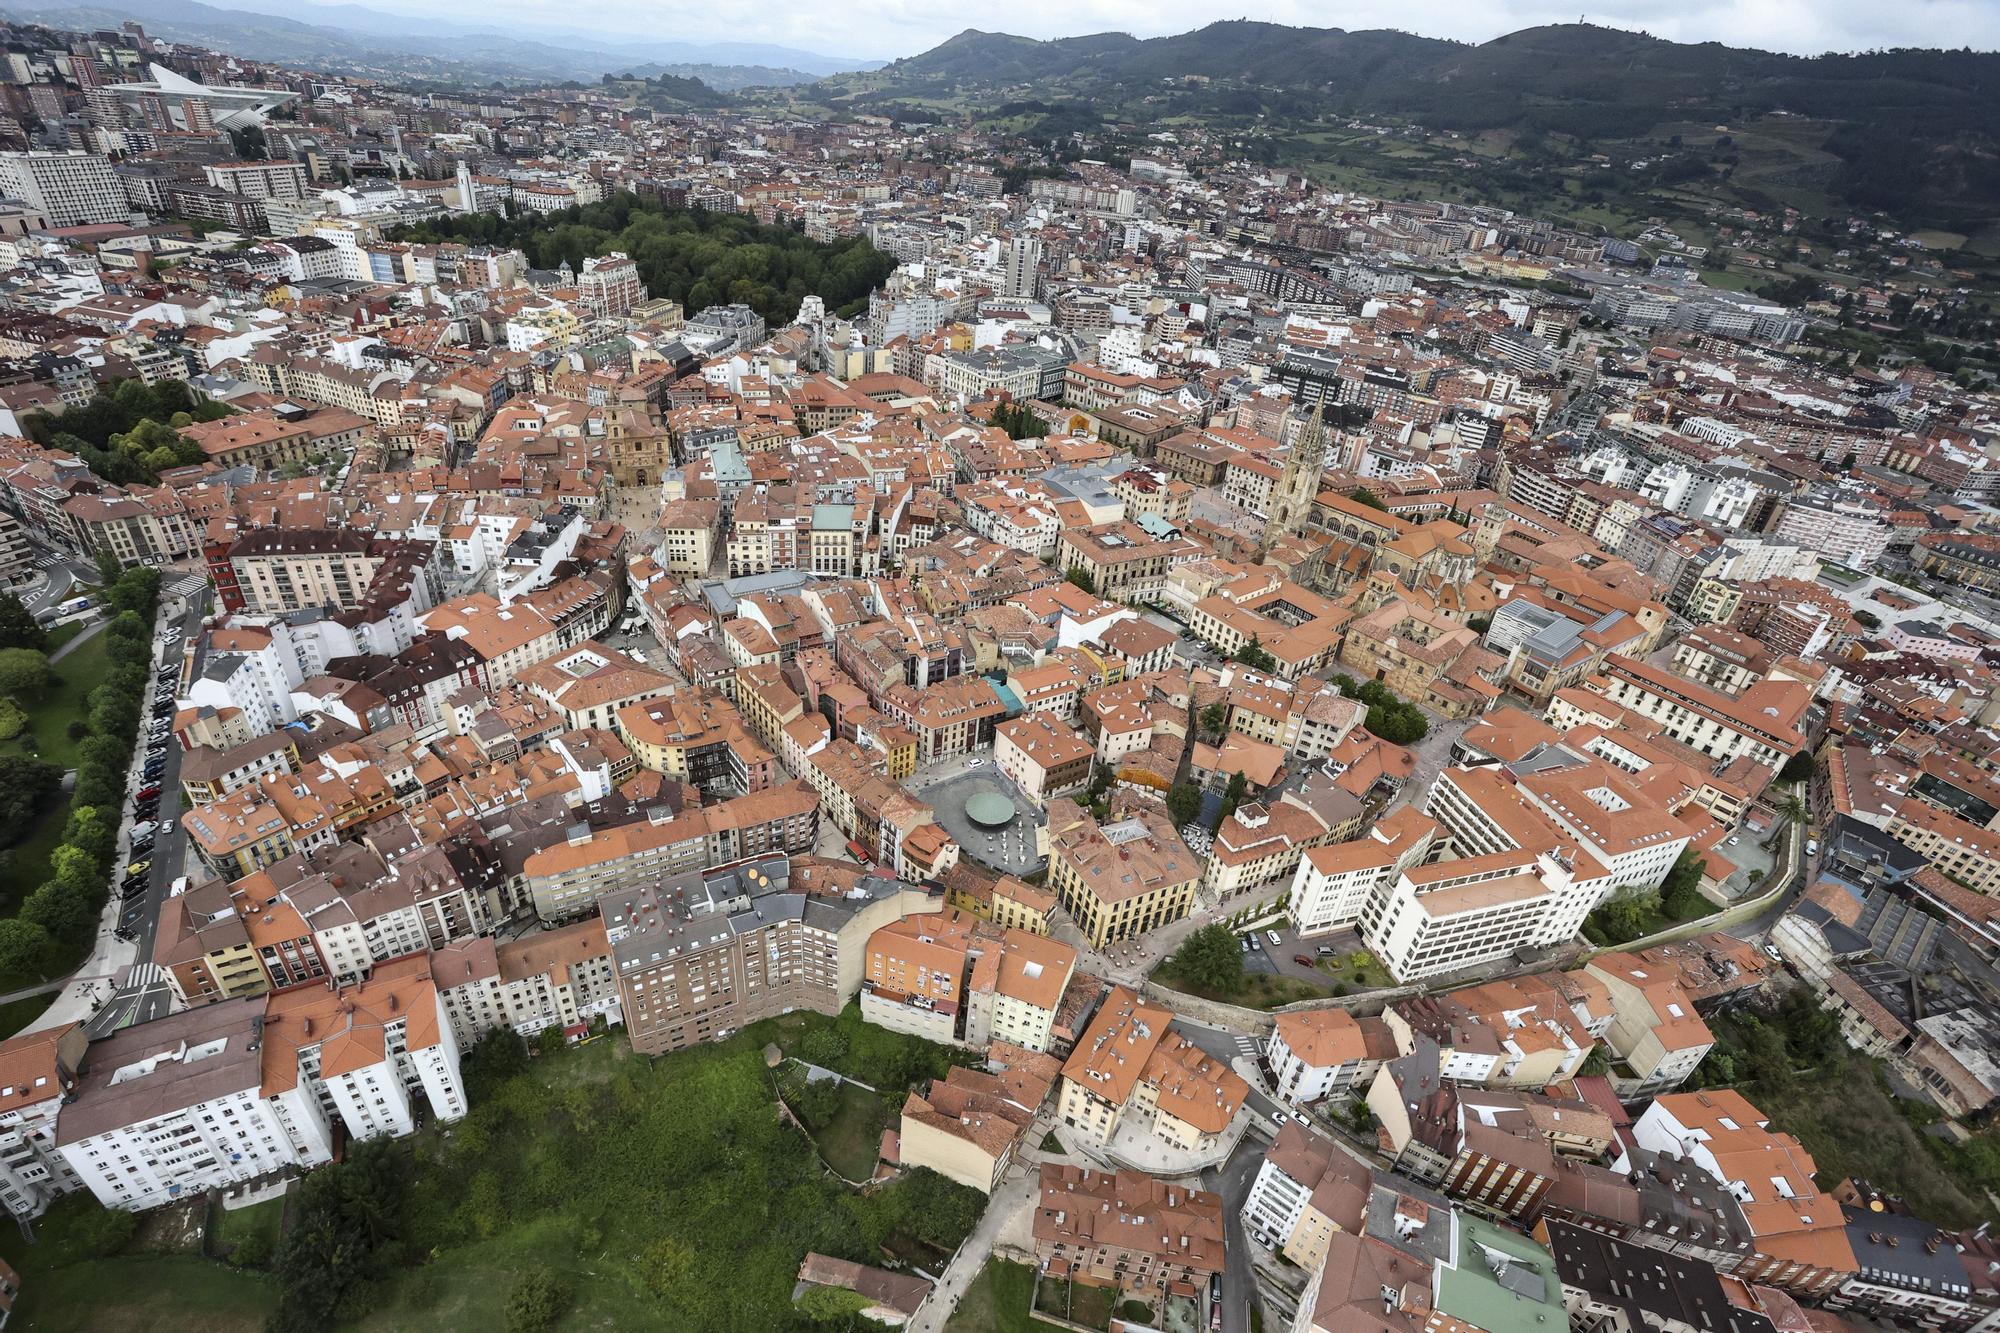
[(1013, 847)]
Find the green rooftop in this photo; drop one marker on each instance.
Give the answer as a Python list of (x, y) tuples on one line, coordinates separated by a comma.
[(989, 809), (1501, 1281)]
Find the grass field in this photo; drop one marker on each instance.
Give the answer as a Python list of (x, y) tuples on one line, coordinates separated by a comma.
[(233, 1226), (1853, 1126), (15, 1016), (47, 736), (66, 1287), (667, 1192), (852, 1140), (998, 1301)]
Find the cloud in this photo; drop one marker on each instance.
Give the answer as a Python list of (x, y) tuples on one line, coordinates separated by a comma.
[(886, 29)]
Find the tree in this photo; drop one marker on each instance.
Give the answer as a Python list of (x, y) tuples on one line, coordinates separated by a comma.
[(824, 1305), (1255, 656), (1183, 802), (1398, 723), (1233, 794), (1624, 916), (1364, 496), (24, 948), (1081, 578), (18, 626), (1210, 959), (1799, 768), (24, 674), (538, 1298), (1214, 718), (24, 784)]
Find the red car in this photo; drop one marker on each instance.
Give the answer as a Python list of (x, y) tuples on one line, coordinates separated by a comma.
[(1302, 960), (146, 793)]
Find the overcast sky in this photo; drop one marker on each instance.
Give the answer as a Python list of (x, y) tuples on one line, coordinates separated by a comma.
[(885, 29)]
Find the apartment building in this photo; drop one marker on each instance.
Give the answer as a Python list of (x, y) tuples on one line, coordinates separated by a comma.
[(1042, 756), (372, 1057), (1123, 878), (553, 978), (700, 954), (1762, 723), (1127, 1230), (564, 880), (1128, 1067), (1656, 1037), (966, 1125), (918, 974), (1320, 1053), (279, 570), (1307, 1188), (1798, 1233), (72, 189), (38, 1070)]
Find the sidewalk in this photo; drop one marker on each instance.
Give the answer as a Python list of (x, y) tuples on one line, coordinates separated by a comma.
[(92, 985), (1012, 1204)]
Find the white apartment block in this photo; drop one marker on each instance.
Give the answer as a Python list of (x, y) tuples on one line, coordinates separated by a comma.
[(71, 188), (1478, 909), (171, 1108)]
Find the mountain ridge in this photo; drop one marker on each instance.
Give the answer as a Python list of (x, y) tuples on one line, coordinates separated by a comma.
[(1913, 130)]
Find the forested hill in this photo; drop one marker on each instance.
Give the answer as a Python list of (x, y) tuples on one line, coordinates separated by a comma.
[(697, 258), (1920, 125)]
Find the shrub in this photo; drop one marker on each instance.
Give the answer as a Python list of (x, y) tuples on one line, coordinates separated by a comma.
[(538, 1298)]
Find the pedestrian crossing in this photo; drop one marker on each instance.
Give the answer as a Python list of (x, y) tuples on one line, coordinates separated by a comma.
[(143, 975), (48, 561), (184, 585), (1247, 1047)]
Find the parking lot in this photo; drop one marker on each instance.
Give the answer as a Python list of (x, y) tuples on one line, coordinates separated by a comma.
[(1282, 958)]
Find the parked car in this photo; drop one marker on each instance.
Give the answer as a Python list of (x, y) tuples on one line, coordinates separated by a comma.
[(144, 830), (1280, 1118), (1245, 942), (138, 867), (1275, 938), (1302, 960), (1255, 943), (147, 793), (1325, 951)]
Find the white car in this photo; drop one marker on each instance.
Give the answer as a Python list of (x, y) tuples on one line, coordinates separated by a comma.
[(143, 830), (1274, 937), (1280, 1118), (974, 763)]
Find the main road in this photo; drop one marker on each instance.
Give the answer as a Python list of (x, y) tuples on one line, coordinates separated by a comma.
[(146, 996)]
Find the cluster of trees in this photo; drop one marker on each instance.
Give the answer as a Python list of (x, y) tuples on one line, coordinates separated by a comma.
[(691, 256), (56, 921), (346, 1233), (1772, 1047), (1633, 914), (1018, 422), (1390, 717), (1210, 960), (130, 433)]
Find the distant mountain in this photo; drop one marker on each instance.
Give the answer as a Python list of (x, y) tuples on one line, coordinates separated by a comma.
[(1914, 131), (347, 38)]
